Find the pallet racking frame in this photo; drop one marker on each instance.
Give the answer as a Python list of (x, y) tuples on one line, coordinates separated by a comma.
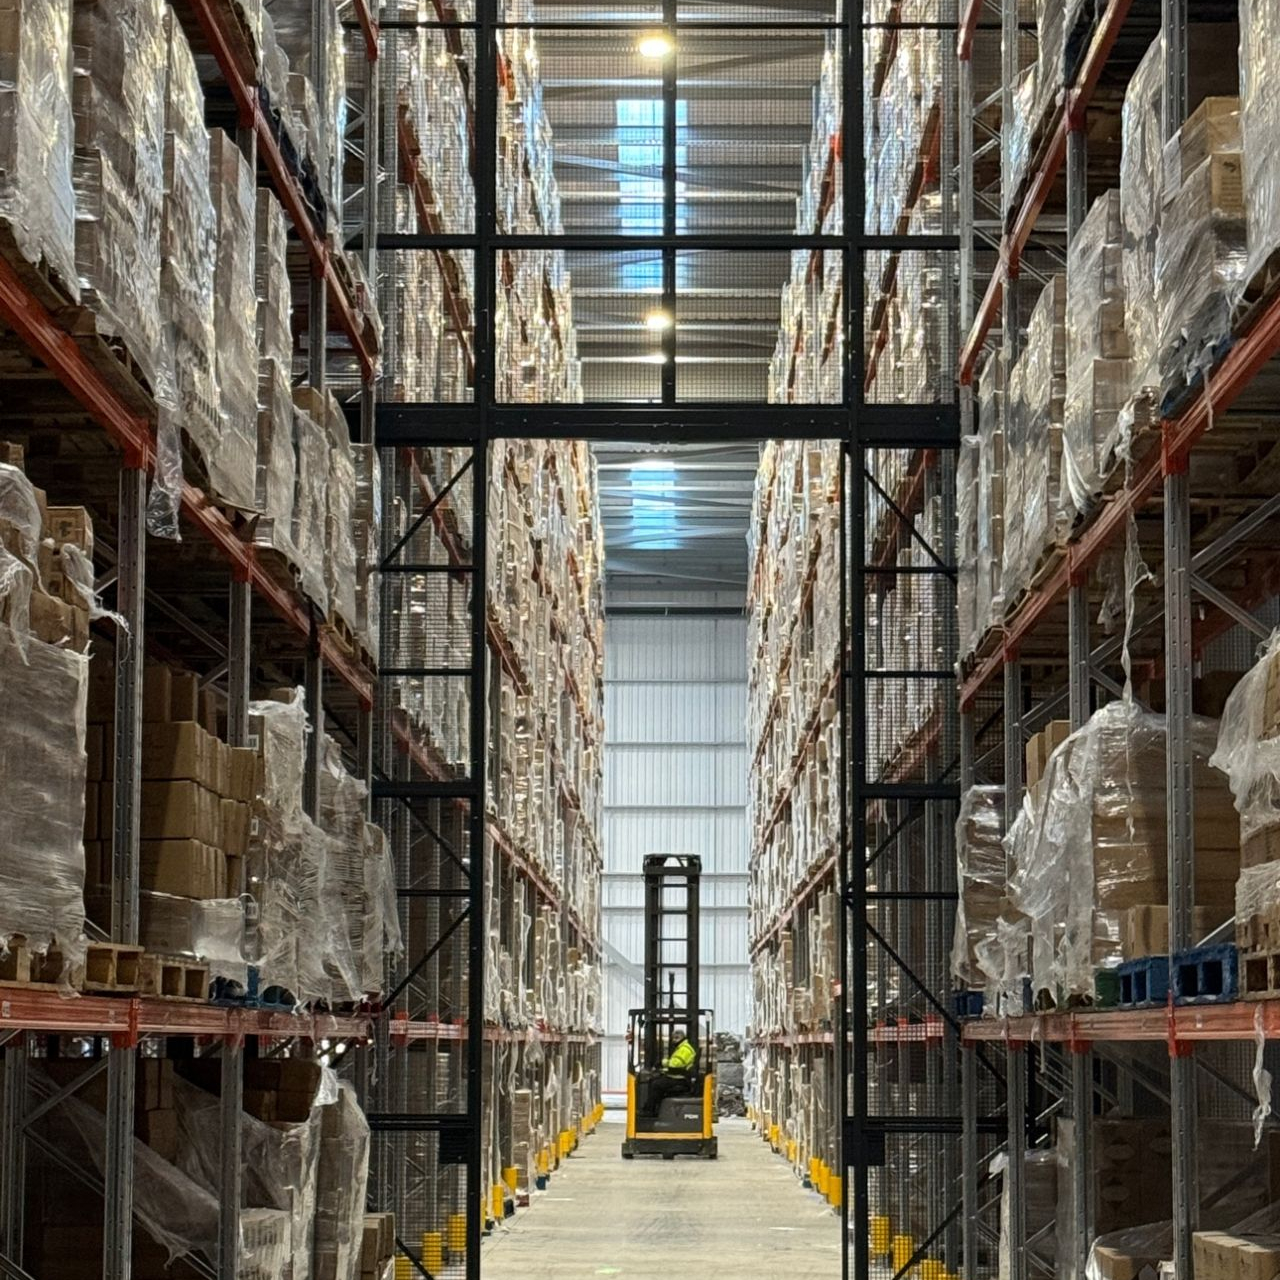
[(1036, 632)]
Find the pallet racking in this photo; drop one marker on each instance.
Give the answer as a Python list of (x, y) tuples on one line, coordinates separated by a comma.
[(1199, 534)]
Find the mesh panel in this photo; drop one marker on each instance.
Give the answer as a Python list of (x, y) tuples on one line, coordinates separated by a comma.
[(726, 323), (909, 326), (426, 297), (744, 113)]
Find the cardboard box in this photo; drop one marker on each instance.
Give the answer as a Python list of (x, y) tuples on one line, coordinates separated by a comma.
[(184, 695), (155, 692), (177, 751), (180, 810), (1145, 930), (187, 868), (244, 775), (235, 828), (73, 525)]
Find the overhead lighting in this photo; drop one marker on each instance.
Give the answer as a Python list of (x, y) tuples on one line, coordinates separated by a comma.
[(655, 357), (655, 45), (657, 321)]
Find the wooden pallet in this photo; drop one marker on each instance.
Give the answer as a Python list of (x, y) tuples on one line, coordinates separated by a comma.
[(173, 978), (22, 966), (110, 967), (1260, 974)]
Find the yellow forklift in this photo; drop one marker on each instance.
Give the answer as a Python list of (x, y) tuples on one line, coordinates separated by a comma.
[(670, 1113)]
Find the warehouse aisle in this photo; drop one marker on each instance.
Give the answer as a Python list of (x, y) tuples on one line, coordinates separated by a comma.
[(743, 1215)]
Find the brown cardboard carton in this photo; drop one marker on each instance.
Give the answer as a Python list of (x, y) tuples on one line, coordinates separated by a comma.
[(73, 525), (184, 695), (1257, 1258), (180, 810), (1120, 1264), (186, 868), (1145, 930), (244, 775), (177, 751), (155, 692), (235, 828)]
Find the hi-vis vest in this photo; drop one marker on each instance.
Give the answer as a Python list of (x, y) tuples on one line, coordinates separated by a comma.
[(682, 1059)]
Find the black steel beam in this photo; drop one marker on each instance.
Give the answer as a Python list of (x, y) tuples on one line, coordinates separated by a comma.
[(398, 789)]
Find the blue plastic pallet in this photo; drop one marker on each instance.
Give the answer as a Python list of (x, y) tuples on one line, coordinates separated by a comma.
[(1206, 975), (968, 1004), (1143, 983)]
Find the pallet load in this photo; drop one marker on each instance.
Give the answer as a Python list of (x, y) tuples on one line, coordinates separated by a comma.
[(1249, 753), (319, 927), (118, 172), (981, 879), (1201, 256), (37, 201), (1033, 522), (44, 669), (1095, 435), (1260, 132), (1093, 845)]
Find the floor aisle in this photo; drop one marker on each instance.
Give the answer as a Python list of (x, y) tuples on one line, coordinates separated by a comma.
[(743, 1215)]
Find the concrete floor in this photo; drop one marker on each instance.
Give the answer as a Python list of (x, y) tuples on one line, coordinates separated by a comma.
[(742, 1215)]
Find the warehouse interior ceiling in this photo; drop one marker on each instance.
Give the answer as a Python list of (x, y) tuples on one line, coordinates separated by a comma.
[(743, 116), (675, 521)]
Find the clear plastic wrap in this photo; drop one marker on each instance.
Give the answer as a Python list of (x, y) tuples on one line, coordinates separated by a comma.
[(981, 877), (271, 280), (343, 1169), (1095, 844), (991, 489), (1033, 520), (118, 171), (1098, 371), (303, 944), (1202, 250), (188, 250), (340, 543), (310, 503), (277, 466), (1140, 192), (232, 463), (368, 532), (1260, 128), (1040, 1188), (1248, 752), (967, 471), (36, 197), (343, 800), (42, 753), (207, 929), (382, 938)]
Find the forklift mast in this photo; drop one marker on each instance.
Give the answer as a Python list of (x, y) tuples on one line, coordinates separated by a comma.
[(671, 968)]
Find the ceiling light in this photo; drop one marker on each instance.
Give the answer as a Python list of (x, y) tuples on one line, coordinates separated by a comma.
[(655, 45), (655, 357), (657, 321)]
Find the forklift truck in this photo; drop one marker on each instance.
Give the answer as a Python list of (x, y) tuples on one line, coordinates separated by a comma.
[(684, 1124)]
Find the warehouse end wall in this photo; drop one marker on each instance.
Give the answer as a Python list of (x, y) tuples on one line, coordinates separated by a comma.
[(675, 765)]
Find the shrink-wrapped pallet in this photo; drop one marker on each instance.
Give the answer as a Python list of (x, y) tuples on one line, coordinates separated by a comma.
[(1098, 371), (188, 249), (1260, 129), (37, 201), (989, 599), (118, 171), (311, 501), (982, 878), (1095, 844), (43, 761), (1201, 256), (231, 463), (1033, 520)]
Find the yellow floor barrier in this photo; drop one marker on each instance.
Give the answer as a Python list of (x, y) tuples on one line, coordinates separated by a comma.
[(509, 1177), (404, 1268), (881, 1236), (903, 1248), (457, 1234), (499, 1202), (432, 1252), (835, 1189)]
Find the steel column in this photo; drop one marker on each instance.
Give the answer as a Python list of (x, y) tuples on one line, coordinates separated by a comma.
[(13, 1153), (121, 1063)]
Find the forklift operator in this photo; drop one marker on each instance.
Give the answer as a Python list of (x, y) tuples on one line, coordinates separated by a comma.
[(677, 1071)]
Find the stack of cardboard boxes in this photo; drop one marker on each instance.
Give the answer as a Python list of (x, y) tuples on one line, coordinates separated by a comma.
[(195, 807)]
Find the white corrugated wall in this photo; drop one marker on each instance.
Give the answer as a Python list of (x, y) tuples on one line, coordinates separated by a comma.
[(675, 767)]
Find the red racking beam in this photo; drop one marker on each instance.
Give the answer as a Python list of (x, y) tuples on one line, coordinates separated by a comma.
[(32, 1009), (132, 432), (368, 28), (965, 31), (1235, 1020)]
